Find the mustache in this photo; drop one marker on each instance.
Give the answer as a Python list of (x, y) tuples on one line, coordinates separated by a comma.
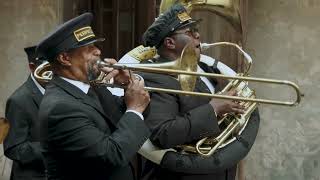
[(93, 70), (96, 60)]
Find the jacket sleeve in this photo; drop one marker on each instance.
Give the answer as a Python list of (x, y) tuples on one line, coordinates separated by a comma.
[(72, 130), (17, 145), (223, 159), (170, 127)]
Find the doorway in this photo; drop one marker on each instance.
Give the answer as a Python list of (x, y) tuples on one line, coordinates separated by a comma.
[(121, 22)]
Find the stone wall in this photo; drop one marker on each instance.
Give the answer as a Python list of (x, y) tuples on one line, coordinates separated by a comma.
[(283, 38), (23, 23)]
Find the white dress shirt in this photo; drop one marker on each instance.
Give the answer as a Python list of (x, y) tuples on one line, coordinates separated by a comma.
[(85, 88)]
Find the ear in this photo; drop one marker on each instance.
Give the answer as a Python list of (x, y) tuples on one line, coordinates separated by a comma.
[(169, 43), (64, 59), (32, 66)]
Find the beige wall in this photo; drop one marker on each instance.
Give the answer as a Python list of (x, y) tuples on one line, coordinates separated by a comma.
[(283, 38), (23, 23)]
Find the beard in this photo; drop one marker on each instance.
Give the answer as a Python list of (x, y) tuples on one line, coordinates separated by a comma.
[(93, 72)]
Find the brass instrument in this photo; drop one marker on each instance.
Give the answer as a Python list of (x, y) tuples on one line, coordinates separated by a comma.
[(228, 9), (232, 123), (43, 72), (4, 129), (185, 67)]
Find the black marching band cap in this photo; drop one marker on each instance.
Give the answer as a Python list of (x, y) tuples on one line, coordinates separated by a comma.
[(174, 18), (32, 55), (72, 34)]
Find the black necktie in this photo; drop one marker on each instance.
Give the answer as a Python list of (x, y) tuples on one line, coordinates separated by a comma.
[(92, 94), (201, 86)]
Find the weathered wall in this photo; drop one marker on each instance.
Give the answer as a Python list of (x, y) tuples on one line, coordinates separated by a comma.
[(23, 23), (283, 38)]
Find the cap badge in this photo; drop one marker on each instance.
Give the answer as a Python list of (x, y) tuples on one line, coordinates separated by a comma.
[(83, 33), (183, 16)]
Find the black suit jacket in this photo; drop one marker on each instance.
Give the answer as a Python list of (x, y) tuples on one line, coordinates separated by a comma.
[(178, 119), (84, 140), (22, 144)]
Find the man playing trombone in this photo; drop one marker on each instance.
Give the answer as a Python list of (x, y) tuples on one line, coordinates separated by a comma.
[(176, 119)]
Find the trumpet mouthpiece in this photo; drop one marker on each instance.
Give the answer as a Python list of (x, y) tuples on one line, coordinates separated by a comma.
[(101, 63)]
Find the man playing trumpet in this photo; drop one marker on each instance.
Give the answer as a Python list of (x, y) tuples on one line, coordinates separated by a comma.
[(88, 133)]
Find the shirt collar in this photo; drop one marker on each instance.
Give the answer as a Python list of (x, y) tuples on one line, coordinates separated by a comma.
[(81, 85), (41, 89), (161, 59), (206, 80)]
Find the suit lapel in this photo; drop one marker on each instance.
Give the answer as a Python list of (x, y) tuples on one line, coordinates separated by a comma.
[(80, 95), (112, 107), (218, 83), (36, 94)]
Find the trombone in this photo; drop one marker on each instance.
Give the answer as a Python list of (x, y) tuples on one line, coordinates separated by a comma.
[(185, 67)]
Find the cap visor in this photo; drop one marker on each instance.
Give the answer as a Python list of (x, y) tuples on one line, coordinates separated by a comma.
[(189, 24), (85, 43)]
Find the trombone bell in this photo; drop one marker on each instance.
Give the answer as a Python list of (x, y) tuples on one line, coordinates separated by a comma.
[(187, 63)]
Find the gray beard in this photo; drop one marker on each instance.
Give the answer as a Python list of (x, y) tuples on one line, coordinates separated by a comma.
[(91, 73)]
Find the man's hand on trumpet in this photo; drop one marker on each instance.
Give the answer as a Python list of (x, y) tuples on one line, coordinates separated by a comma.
[(120, 77), (136, 98)]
